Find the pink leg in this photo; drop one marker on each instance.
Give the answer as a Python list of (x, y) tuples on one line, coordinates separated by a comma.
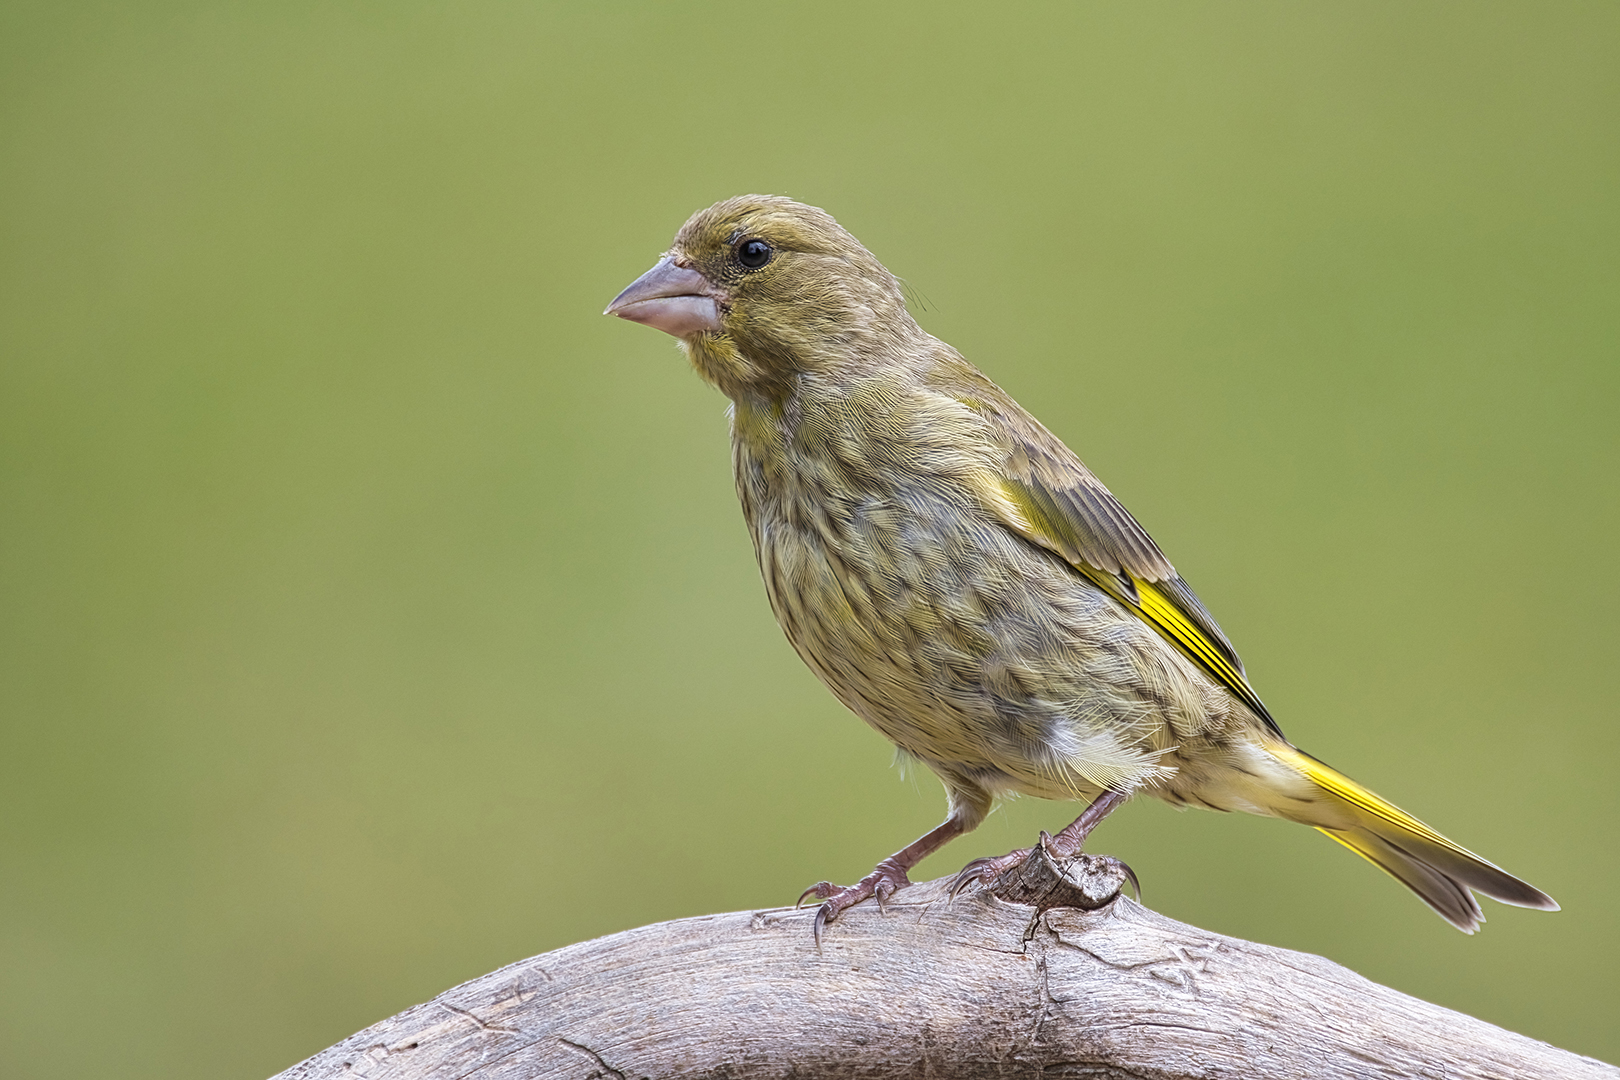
[(1065, 845), (888, 876)]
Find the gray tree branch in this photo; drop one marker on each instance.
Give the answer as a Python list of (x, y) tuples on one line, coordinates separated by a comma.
[(1045, 975)]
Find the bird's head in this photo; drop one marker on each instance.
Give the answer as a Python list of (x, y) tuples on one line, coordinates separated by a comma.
[(761, 289)]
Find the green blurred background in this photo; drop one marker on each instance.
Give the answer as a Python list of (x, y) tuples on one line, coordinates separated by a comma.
[(374, 613)]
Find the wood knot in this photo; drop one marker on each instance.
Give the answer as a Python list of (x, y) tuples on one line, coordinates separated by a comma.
[(1083, 881)]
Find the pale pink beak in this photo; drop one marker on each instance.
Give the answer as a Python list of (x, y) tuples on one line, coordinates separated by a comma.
[(670, 297)]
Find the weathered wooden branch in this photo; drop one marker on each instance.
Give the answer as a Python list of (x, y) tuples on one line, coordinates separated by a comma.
[(1046, 975)]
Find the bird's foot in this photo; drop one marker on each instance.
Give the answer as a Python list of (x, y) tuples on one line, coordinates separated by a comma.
[(996, 871), (987, 870), (884, 881)]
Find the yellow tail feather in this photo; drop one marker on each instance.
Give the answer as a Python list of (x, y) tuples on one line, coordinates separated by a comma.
[(1438, 870)]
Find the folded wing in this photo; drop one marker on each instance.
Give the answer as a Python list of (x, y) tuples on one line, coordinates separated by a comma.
[(1046, 495)]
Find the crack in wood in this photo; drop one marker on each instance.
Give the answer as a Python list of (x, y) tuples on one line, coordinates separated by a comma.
[(582, 1048), (469, 1015)]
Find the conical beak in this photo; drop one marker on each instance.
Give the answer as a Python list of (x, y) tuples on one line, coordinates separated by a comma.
[(673, 298)]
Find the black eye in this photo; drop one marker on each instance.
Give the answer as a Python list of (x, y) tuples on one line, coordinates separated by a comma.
[(754, 254)]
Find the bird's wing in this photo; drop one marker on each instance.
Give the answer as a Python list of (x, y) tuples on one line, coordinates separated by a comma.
[(1050, 498)]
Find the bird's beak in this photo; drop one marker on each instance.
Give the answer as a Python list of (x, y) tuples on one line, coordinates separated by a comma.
[(670, 297)]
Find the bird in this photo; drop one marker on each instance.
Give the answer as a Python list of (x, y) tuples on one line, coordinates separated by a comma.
[(963, 583)]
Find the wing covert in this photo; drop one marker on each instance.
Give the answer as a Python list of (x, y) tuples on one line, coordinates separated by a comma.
[(1061, 506)]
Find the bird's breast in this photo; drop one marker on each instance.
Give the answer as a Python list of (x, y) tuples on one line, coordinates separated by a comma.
[(962, 643)]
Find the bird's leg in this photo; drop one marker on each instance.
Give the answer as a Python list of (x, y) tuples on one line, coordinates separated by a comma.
[(1062, 847), (888, 876), (1072, 837)]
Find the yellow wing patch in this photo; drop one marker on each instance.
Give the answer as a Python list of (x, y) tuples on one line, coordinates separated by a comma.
[(1102, 541), (1169, 620)]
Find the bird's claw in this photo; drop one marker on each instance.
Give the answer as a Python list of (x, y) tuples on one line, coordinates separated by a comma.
[(821, 890), (985, 871), (989, 870), (883, 882), (1130, 875)]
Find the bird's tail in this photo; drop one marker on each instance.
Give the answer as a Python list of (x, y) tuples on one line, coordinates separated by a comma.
[(1439, 871)]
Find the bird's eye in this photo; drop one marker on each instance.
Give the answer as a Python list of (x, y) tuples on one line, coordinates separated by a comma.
[(754, 254)]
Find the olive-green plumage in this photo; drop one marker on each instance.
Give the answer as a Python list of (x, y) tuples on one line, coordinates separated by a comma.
[(961, 581)]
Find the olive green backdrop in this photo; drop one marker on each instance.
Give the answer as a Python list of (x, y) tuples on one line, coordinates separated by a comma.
[(373, 612)]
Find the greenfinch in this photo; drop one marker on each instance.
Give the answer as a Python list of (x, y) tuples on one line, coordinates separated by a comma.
[(964, 584)]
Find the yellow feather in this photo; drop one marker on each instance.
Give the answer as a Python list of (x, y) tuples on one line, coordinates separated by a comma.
[(1336, 783)]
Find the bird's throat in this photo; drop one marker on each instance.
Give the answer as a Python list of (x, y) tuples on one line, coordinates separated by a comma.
[(722, 365)]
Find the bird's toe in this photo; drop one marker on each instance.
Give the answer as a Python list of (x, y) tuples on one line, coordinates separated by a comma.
[(987, 870)]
